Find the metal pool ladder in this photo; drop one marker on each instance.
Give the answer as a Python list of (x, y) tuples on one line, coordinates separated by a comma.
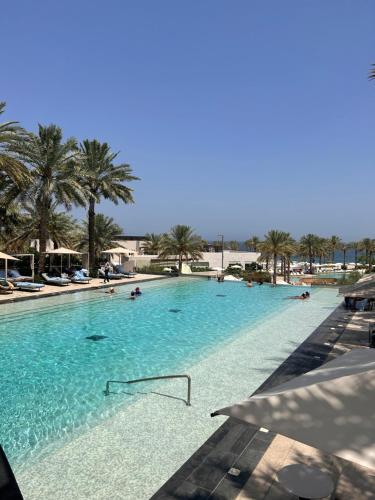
[(187, 401)]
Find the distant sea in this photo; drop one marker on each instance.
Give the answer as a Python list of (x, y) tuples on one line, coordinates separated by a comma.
[(339, 257)]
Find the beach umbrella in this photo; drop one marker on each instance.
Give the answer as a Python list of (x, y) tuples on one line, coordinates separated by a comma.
[(361, 285), (7, 257), (331, 408), (63, 251), (119, 251)]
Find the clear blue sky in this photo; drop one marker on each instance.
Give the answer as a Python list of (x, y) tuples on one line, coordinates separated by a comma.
[(238, 116)]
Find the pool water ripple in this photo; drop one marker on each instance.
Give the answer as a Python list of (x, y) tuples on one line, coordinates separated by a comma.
[(52, 377)]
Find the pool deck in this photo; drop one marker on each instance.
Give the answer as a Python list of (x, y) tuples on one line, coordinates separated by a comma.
[(95, 283), (259, 455)]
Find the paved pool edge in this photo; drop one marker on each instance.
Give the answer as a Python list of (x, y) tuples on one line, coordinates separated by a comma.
[(235, 444)]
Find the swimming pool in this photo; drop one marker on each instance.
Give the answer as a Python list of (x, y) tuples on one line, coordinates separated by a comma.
[(53, 376)]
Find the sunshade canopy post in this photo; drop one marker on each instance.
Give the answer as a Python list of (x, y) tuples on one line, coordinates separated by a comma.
[(331, 408), (32, 262), (118, 251), (63, 251)]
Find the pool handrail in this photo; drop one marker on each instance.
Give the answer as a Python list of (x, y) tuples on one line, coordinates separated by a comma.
[(187, 401)]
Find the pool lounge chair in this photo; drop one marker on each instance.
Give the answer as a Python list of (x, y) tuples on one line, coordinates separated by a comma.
[(5, 288), (121, 270), (55, 280), (28, 286), (80, 277), (112, 276), (15, 276)]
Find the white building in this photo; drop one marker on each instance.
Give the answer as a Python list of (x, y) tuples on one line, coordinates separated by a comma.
[(229, 257)]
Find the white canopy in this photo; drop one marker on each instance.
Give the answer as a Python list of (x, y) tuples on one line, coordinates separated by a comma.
[(331, 408), (119, 250), (63, 251), (363, 284), (7, 257)]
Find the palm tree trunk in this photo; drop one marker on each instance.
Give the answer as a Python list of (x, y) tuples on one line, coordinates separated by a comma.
[(284, 267), (180, 263), (355, 258), (43, 236), (344, 254), (91, 228), (274, 268), (370, 261), (333, 256), (310, 260), (288, 277), (267, 263)]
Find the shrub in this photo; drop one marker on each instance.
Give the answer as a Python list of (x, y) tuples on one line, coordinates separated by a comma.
[(257, 276), (349, 278)]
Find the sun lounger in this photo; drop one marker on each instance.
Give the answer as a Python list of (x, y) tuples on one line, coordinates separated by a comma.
[(15, 276), (5, 288), (80, 277), (28, 286), (121, 270), (112, 276), (55, 280)]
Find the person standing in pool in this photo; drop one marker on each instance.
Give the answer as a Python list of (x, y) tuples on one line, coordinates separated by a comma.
[(138, 291)]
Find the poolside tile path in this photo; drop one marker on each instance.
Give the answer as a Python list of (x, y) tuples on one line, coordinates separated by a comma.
[(95, 283), (259, 455)]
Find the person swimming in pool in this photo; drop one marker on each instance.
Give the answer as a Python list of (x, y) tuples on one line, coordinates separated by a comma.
[(132, 295), (138, 291), (303, 296), (110, 290)]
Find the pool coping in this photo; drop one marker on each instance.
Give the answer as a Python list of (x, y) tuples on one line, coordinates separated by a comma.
[(86, 288), (241, 446)]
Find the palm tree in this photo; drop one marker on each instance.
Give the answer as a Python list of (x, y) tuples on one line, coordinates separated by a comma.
[(55, 176), (106, 231), (273, 246), (344, 248), (61, 228), (232, 245), (11, 169), (309, 247), (356, 246), (181, 242), (367, 244), (153, 244), (11, 220), (334, 244), (253, 243), (322, 248), (103, 179)]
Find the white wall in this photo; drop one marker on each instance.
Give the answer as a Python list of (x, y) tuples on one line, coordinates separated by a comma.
[(230, 257)]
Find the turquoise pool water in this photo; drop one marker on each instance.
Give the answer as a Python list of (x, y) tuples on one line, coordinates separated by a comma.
[(52, 377)]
